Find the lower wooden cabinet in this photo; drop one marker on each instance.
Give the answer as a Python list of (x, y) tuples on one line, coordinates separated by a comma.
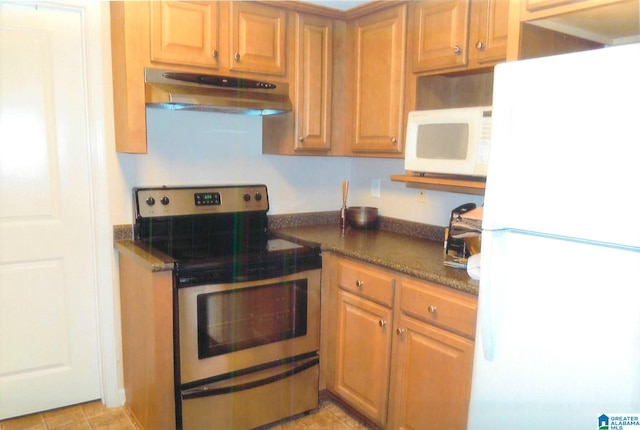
[(431, 380), (363, 355), (400, 349)]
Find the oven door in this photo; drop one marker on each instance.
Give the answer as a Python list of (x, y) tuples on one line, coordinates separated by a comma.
[(224, 328)]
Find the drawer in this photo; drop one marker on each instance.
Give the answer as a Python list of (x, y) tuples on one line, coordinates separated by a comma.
[(366, 282), (449, 309)]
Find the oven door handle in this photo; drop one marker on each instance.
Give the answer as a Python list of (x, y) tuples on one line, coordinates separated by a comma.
[(209, 390)]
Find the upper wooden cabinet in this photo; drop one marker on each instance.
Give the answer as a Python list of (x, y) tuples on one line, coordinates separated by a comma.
[(489, 29), (549, 27), (532, 5), (377, 78), (457, 34), (185, 33), (308, 129), (313, 76), (441, 34), (258, 38), (239, 36), (244, 39)]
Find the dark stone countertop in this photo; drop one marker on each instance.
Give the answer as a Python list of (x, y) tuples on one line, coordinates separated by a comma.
[(418, 257), (408, 248)]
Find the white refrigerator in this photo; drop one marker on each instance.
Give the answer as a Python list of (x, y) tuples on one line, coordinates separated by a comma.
[(558, 333)]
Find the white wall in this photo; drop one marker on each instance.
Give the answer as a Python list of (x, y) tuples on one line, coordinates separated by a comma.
[(398, 201), (189, 148)]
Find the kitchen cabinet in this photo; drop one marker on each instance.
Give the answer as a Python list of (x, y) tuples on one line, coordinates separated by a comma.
[(185, 33), (432, 357), (549, 27), (377, 75), (313, 77), (258, 38), (146, 303), (241, 36), (243, 39), (310, 128), (532, 5), (364, 355), (403, 347), (458, 34), (363, 338)]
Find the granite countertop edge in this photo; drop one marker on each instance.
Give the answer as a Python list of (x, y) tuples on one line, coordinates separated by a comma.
[(406, 247), (416, 257)]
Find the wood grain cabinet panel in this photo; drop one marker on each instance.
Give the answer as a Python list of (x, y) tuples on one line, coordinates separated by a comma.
[(314, 73), (258, 38), (431, 383), (489, 30), (404, 362), (363, 355), (441, 39), (378, 78), (185, 33), (459, 34)]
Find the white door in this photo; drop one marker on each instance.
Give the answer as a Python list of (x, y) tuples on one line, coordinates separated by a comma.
[(48, 323)]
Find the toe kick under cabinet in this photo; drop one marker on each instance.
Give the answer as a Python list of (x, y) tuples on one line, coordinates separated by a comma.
[(400, 349)]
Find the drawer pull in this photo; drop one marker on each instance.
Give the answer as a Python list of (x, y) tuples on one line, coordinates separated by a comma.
[(432, 309), (382, 323), (359, 283), (400, 331)]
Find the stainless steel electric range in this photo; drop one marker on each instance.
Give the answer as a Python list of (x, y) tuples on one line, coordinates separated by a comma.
[(246, 305)]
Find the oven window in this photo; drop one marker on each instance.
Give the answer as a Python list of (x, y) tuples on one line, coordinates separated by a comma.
[(238, 319)]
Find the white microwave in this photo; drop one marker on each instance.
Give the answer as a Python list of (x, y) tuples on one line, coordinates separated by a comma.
[(449, 141)]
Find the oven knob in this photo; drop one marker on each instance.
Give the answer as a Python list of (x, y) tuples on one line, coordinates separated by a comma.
[(246, 197), (150, 201), (258, 196), (164, 200)]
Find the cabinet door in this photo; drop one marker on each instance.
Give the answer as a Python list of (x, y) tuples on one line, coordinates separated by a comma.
[(441, 36), (314, 38), (532, 5), (363, 351), (379, 74), (432, 377), (488, 43), (185, 33), (258, 38)]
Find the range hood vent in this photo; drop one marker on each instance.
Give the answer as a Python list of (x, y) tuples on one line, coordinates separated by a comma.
[(166, 89)]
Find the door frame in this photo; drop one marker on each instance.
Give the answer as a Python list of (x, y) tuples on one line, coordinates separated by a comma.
[(102, 165)]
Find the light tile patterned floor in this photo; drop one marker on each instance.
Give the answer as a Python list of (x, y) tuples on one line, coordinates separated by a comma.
[(95, 415), (328, 416), (87, 416)]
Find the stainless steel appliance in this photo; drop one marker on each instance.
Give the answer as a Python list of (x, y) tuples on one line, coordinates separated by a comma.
[(167, 89), (246, 306)]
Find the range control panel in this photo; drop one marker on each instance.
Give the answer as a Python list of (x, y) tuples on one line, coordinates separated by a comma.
[(156, 202)]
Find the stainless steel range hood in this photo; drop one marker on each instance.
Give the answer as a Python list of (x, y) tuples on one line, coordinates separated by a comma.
[(168, 89)]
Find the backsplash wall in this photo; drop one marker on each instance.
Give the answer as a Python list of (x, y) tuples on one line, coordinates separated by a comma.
[(194, 148)]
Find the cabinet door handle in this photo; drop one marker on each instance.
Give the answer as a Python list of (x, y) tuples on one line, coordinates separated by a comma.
[(359, 283), (457, 49), (382, 323), (301, 139), (432, 309), (394, 140), (237, 56), (214, 53), (400, 331), (480, 45)]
